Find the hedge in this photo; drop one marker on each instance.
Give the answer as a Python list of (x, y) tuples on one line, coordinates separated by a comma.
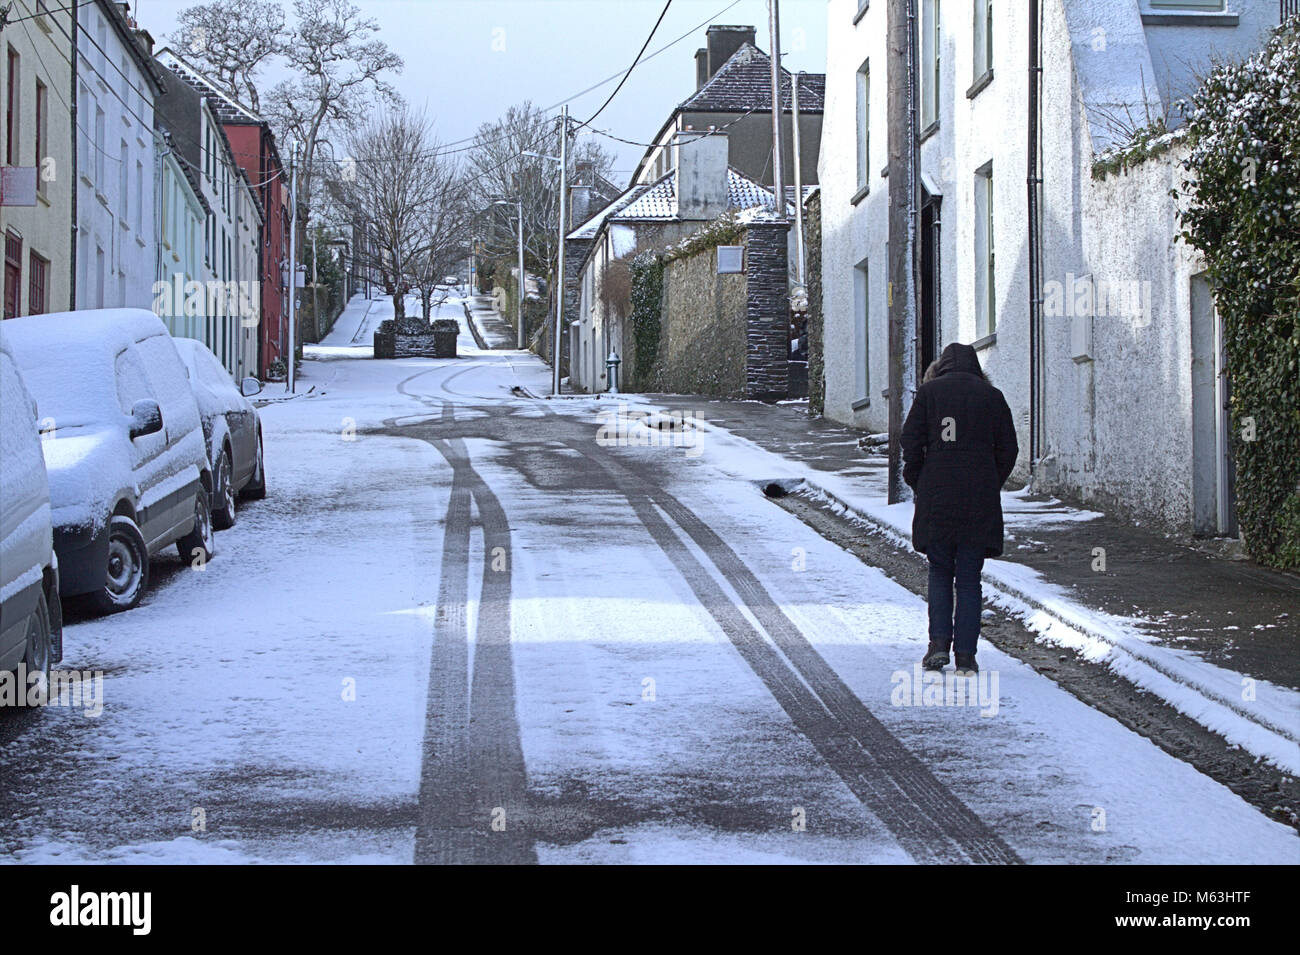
[(1244, 216)]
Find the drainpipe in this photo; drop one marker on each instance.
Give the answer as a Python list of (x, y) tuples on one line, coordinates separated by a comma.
[(1034, 185), (72, 257)]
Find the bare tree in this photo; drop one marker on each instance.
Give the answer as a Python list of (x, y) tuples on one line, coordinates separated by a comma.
[(338, 67), (499, 170), (233, 40), (441, 233), (410, 196)]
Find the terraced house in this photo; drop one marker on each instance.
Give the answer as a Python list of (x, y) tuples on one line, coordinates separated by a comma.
[(38, 172), (1113, 366)]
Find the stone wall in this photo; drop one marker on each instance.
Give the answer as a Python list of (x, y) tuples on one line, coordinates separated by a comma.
[(767, 309), (728, 335), (702, 336)]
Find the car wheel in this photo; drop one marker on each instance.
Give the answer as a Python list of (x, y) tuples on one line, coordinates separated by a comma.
[(200, 544), (127, 573), (255, 489), (39, 656), (223, 514)]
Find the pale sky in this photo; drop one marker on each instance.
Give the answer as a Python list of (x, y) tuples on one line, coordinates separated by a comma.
[(468, 60)]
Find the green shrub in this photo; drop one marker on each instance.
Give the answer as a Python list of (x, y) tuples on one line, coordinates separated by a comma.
[(1244, 216)]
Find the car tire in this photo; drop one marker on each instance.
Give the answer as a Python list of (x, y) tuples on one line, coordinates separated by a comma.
[(39, 656), (200, 544), (255, 489), (223, 511), (127, 573)]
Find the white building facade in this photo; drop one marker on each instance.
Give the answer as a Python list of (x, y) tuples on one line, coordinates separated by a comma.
[(1122, 389), (117, 167)]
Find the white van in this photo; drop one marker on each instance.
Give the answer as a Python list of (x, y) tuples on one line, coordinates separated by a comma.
[(31, 621), (123, 445)]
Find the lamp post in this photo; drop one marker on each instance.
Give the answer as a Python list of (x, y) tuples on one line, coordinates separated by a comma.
[(519, 314), (562, 159)]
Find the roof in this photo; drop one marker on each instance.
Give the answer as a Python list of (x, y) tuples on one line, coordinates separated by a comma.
[(125, 31), (659, 201), (590, 228), (744, 82), (226, 108)]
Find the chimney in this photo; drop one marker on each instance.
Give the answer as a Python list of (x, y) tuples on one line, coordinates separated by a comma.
[(722, 41), (579, 205), (701, 67), (700, 161)]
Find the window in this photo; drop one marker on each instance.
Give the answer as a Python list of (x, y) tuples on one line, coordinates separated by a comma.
[(983, 37), (38, 284), (1193, 4), (123, 191), (13, 274), (985, 287), (929, 62), (42, 111), (13, 105), (100, 122), (864, 125), (131, 379), (139, 197), (861, 327)]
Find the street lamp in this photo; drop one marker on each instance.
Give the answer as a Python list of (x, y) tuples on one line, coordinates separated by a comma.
[(557, 348), (519, 205)]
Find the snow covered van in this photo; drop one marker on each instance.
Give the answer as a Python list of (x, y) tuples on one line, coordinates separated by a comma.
[(31, 622), (124, 451)]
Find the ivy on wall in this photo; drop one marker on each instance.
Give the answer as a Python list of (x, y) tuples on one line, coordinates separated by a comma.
[(1244, 216), (647, 304)]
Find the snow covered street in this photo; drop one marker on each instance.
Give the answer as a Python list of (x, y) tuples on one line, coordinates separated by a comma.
[(467, 624)]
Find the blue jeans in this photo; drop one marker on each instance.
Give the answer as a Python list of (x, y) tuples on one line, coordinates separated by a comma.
[(961, 563)]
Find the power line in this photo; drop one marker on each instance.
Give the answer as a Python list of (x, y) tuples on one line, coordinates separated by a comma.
[(640, 53)]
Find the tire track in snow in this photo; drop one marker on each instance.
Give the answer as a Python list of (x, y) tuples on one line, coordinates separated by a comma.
[(472, 772), (928, 821)]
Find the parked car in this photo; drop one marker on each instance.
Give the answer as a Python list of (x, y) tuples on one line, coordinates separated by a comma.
[(123, 443), (31, 618), (231, 429)]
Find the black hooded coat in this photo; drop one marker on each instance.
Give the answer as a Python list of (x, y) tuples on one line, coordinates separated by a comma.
[(959, 447)]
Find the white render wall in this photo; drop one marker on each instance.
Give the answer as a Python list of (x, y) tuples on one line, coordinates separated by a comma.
[(116, 236), (1118, 427)]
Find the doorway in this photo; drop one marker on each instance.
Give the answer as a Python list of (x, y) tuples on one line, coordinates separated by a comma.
[(927, 349), (1214, 506)]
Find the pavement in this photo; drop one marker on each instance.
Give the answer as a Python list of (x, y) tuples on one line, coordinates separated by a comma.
[(1217, 637), (490, 329)]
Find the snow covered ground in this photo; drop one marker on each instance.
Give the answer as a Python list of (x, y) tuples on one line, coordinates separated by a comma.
[(688, 672)]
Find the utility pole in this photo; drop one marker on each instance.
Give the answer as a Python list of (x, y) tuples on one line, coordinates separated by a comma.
[(293, 266), (798, 184), (557, 348), (778, 183), (903, 212), (523, 282)]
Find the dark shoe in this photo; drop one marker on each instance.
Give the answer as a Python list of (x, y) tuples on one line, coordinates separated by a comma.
[(966, 663), (936, 658)]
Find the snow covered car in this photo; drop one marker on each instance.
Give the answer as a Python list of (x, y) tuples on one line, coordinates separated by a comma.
[(123, 443), (31, 621), (231, 428)]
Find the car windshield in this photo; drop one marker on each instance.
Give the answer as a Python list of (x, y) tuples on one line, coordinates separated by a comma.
[(73, 388)]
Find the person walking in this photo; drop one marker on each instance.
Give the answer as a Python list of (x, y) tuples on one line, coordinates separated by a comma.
[(959, 447)]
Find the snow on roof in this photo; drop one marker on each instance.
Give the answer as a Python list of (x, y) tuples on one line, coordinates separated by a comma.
[(659, 201), (745, 82), (592, 226), (226, 107)]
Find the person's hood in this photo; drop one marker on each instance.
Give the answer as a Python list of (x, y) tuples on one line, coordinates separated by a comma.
[(958, 357)]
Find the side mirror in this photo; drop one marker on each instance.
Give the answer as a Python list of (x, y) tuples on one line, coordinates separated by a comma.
[(146, 418), (249, 387)]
